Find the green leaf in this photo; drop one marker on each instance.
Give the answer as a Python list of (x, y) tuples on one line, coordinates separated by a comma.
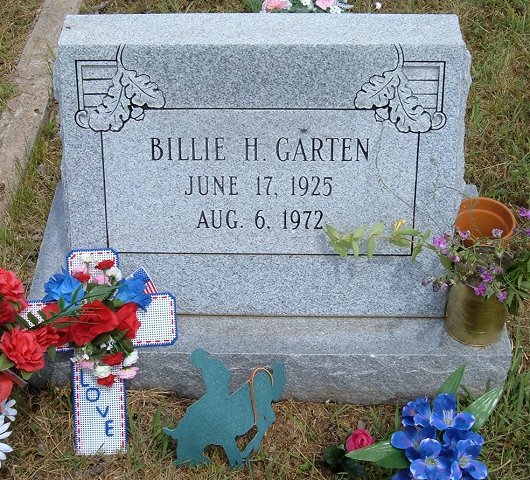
[(333, 233), (25, 375), (377, 229), (33, 319), (52, 352), (355, 247), (5, 363), (399, 242), (445, 262), (333, 454), (452, 384), (416, 251), (408, 231), (484, 406), (370, 247), (359, 232), (382, 454), (100, 292)]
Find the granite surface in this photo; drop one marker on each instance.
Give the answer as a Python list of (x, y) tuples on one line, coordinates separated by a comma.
[(212, 149), (137, 107), (359, 360)]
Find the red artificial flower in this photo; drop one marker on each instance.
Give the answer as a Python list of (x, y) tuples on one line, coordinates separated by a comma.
[(22, 348), (107, 381), (7, 312), (105, 264), (358, 439), (113, 360), (6, 385), (82, 277), (96, 318), (63, 333), (47, 336), (128, 320), (11, 287)]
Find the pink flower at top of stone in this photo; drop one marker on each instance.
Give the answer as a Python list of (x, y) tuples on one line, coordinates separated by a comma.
[(82, 268), (272, 5), (325, 4), (127, 373)]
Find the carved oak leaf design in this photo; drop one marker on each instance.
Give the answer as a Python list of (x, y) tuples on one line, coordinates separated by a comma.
[(127, 98), (378, 91), (406, 112), (141, 90), (113, 111)]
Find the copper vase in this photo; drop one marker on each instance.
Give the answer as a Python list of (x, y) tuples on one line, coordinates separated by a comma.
[(473, 320)]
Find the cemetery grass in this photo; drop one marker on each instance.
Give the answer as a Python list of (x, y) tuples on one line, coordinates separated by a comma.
[(16, 20), (498, 159)]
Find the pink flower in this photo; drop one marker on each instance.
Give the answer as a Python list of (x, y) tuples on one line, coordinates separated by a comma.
[(101, 279), (127, 373), (325, 4), (358, 439), (86, 364), (271, 5)]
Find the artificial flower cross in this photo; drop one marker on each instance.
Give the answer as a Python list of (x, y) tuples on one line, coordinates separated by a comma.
[(146, 318)]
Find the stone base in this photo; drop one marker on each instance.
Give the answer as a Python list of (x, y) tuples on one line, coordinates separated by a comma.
[(355, 360)]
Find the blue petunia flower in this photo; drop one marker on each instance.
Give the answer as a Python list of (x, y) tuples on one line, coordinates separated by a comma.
[(416, 413), (466, 453), (444, 414), (402, 475), (132, 290), (430, 465), (63, 285), (410, 440)]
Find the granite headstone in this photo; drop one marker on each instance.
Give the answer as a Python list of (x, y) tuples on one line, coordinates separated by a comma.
[(213, 149)]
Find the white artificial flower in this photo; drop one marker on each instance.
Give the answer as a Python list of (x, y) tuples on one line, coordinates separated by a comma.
[(87, 258), (4, 433), (115, 273), (7, 410), (335, 9), (102, 371), (307, 3), (130, 359), (378, 5)]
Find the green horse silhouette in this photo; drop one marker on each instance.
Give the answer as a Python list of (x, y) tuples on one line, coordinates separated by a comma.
[(219, 417)]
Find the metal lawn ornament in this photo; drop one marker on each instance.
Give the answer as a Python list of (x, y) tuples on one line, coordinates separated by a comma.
[(219, 417)]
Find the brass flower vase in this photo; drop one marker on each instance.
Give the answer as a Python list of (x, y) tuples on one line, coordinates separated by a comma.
[(473, 320)]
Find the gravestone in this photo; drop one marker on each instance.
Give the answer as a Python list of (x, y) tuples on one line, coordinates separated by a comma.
[(213, 149)]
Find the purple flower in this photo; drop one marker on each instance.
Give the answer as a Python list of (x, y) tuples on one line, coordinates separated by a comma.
[(524, 212), (501, 296), (486, 277), (464, 234), (444, 414), (480, 290), (497, 233), (455, 258), (426, 281), (527, 232), (440, 241)]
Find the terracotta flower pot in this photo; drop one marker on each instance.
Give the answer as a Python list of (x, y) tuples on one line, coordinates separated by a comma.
[(480, 215), (473, 320)]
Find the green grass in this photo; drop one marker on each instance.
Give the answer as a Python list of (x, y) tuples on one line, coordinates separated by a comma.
[(16, 20), (498, 161)]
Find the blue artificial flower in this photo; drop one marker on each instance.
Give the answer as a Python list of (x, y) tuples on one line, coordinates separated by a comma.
[(452, 436), (63, 285), (444, 414), (466, 453), (402, 475), (416, 413), (132, 290), (430, 465), (410, 440)]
